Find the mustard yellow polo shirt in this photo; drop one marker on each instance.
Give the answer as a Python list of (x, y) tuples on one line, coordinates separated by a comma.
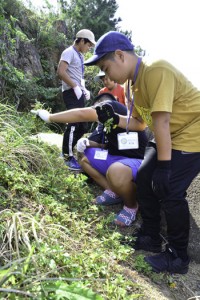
[(161, 87)]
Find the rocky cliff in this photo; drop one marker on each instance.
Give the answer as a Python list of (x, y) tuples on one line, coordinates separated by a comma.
[(30, 49)]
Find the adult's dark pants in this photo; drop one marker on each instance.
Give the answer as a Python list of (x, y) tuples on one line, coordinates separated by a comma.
[(185, 167), (73, 131)]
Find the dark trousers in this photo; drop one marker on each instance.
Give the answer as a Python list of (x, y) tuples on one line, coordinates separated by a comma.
[(185, 167), (73, 131)]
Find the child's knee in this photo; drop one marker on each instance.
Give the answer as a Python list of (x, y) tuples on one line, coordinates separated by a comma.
[(117, 174), (114, 174)]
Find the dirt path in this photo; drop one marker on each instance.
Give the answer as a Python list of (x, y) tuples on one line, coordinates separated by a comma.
[(50, 138)]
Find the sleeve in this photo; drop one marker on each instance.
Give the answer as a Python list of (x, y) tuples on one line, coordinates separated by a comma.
[(67, 55), (101, 91), (135, 113), (160, 84)]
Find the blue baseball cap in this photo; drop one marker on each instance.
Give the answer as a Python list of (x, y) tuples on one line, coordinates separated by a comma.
[(109, 42)]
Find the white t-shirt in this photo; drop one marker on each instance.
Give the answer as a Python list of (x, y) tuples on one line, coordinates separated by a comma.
[(75, 66)]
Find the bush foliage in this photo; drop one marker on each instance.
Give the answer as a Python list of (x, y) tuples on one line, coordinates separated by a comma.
[(25, 32)]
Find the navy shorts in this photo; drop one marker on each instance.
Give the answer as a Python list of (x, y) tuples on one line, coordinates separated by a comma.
[(103, 165)]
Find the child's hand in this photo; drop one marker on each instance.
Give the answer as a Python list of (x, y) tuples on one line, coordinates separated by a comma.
[(87, 94), (160, 178), (78, 92), (105, 112), (43, 114), (82, 144)]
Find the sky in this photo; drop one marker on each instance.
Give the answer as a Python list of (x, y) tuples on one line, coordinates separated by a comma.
[(166, 29)]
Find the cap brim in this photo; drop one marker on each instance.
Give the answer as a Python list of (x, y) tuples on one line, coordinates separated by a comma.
[(93, 42), (99, 76), (94, 59)]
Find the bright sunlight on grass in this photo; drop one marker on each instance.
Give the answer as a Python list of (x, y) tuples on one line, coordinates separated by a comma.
[(54, 244)]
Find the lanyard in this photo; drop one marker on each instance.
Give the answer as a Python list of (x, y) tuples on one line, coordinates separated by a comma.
[(128, 93), (82, 61), (103, 139)]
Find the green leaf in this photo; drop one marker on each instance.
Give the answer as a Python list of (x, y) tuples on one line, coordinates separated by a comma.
[(71, 292)]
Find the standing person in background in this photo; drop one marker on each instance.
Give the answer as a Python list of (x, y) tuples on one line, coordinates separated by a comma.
[(71, 72), (170, 105), (111, 87)]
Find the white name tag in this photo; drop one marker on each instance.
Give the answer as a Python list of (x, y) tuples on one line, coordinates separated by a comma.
[(128, 140), (101, 154)]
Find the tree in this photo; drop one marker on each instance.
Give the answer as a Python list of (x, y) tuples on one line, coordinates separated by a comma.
[(96, 15)]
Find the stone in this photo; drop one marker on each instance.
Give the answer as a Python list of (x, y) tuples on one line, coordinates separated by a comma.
[(193, 198)]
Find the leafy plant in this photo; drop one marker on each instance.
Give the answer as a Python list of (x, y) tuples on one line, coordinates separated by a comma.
[(54, 244), (141, 266)]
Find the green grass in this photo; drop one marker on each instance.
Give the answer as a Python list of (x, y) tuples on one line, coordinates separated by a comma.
[(54, 243)]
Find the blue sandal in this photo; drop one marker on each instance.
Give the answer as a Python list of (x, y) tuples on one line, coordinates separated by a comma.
[(108, 198), (126, 217)]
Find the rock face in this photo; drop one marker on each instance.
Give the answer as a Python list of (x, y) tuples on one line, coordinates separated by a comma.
[(193, 198), (28, 59), (30, 47)]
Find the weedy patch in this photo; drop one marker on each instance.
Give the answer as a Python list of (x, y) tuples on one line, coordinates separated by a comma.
[(54, 243)]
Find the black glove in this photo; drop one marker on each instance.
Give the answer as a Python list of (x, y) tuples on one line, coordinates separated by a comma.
[(105, 112), (160, 178)]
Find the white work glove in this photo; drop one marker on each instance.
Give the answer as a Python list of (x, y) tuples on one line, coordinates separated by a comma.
[(82, 144), (42, 113), (78, 92), (87, 94)]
